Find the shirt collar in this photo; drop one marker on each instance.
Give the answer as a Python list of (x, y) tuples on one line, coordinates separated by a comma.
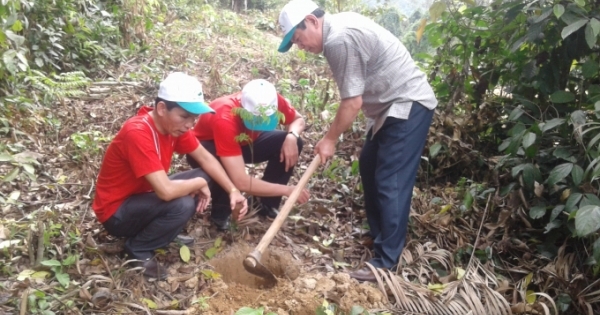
[(326, 29)]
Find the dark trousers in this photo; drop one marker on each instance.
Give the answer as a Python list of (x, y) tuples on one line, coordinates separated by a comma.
[(149, 222), (266, 147), (388, 167)]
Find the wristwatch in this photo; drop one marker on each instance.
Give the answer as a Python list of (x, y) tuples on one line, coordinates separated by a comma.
[(295, 134)]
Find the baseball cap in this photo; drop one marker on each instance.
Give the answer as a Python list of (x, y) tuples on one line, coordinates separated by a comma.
[(186, 91), (259, 97), (291, 15)]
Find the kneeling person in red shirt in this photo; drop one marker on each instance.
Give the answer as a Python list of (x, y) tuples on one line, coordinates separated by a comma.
[(134, 196), (255, 111)]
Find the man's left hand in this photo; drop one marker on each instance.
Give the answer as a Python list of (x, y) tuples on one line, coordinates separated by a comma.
[(289, 151)]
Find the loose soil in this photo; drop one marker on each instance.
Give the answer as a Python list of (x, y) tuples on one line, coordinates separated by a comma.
[(298, 291)]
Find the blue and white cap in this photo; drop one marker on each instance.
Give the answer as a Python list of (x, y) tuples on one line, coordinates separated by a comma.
[(186, 91), (259, 97)]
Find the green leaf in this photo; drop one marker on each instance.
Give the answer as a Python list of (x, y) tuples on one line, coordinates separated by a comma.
[(17, 26), (436, 10), (589, 69), (468, 200), (590, 38), (63, 279), (587, 220), (595, 25), (28, 168), (435, 149), (559, 173), (529, 139), (357, 310), (580, 3), (209, 274), (551, 124), (5, 156), (562, 97), (577, 174), (515, 114), (218, 242), (249, 311), (596, 248), (537, 212), (12, 175), (572, 202), (559, 9), (556, 211), (70, 260), (149, 303), (569, 29), (184, 252), (52, 262), (211, 252)]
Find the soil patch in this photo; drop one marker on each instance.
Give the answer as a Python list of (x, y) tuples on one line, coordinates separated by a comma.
[(297, 292)]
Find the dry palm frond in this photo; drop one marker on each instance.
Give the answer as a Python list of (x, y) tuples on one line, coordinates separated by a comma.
[(473, 293)]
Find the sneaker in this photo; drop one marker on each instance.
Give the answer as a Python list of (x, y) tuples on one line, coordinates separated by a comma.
[(112, 248), (221, 224), (152, 269), (184, 240), (268, 212)]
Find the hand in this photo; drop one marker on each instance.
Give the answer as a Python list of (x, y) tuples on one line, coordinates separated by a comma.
[(236, 200), (325, 148), (203, 195), (302, 197), (289, 151)]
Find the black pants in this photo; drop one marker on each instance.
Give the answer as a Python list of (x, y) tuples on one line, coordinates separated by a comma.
[(149, 222), (266, 147)]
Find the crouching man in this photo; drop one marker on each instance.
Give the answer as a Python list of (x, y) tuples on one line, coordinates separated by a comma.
[(135, 198)]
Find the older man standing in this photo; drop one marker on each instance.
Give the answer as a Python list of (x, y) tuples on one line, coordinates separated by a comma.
[(374, 72)]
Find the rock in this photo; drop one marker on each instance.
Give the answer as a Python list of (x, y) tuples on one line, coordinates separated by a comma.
[(192, 283), (341, 277), (308, 284)]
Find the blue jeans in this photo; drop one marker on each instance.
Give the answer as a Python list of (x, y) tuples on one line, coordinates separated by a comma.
[(388, 167)]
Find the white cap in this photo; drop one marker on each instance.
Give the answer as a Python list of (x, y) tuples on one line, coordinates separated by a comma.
[(259, 97), (291, 15), (184, 90)]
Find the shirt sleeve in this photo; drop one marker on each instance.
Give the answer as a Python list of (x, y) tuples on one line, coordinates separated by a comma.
[(348, 67), (186, 143), (142, 153), (284, 107)]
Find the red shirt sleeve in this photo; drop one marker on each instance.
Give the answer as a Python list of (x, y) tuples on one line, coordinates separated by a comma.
[(286, 109), (186, 143), (141, 153)]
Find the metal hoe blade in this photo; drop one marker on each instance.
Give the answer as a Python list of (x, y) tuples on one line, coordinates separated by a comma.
[(254, 266), (252, 262)]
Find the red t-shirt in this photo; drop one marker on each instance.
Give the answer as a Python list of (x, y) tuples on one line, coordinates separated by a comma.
[(223, 127), (137, 150)]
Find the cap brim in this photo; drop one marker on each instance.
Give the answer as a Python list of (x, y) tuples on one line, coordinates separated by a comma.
[(286, 44), (196, 108), (262, 123)]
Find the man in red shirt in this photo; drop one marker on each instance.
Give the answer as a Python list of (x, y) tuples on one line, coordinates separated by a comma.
[(134, 196), (221, 134)]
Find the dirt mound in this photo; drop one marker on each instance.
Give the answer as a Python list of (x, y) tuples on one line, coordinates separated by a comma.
[(297, 292)]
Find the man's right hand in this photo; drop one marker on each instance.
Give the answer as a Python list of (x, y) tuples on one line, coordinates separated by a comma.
[(302, 198), (325, 148)]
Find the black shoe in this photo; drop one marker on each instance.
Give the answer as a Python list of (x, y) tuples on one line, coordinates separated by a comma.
[(152, 269), (221, 224), (268, 212), (184, 240)]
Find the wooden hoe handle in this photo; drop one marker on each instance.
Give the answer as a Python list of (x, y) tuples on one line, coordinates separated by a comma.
[(287, 206)]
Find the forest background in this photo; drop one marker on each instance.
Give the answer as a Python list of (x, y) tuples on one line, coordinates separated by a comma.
[(513, 150)]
